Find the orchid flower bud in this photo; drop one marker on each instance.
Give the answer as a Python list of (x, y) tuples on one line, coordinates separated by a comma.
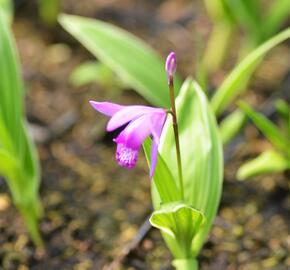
[(170, 65)]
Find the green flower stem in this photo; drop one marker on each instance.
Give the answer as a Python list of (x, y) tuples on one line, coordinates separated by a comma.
[(185, 264), (176, 136)]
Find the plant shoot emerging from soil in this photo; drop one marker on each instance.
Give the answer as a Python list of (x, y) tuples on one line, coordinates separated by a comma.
[(183, 220)]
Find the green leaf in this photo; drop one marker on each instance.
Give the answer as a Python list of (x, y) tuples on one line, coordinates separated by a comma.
[(246, 13), (233, 85), (30, 160), (267, 128), (11, 107), (220, 37), (8, 164), (185, 264), (12, 123), (18, 159), (278, 13), (218, 11), (131, 59), (48, 11), (180, 222), (162, 179), (283, 109), (91, 72), (231, 125), (7, 7), (5, 139), (201, 151), (268, 162)]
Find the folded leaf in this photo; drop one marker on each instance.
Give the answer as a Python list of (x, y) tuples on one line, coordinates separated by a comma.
[(130, 58), (180, 222), (268, 162)]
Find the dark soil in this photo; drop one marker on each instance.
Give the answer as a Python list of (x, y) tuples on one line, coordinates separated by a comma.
[(93, 208)]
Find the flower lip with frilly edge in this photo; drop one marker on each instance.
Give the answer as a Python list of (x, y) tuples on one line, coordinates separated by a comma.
[(142, 121)]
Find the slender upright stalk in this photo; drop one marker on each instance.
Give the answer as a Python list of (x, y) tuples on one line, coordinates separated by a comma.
[(170, 67), (176, 135)]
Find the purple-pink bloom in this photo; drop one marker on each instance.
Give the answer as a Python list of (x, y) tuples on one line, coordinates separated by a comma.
[(143, 121)]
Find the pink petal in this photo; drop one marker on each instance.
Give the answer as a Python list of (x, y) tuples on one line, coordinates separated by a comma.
[(106, 108), (157, 124), (136, 132), (128, 114), (154, 156)]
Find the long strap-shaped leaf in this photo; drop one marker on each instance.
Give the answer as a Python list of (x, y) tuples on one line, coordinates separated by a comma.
[(277, 13), (247, 14), (11, 107), (233, 85), (5, 139), (131, 58), (269, 161), (269, 129), (7, 7), (19, 163)]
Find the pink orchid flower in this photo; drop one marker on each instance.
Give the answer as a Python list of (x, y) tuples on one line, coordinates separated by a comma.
[(143, 121)]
